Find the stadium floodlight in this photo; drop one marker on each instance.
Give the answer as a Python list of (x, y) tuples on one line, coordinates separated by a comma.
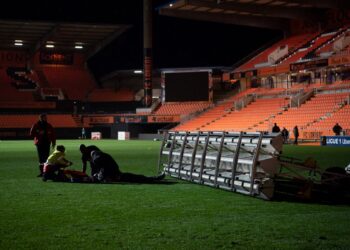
[(18, 43), (78, 45), (249, 163), (236, 161), (50, 44)]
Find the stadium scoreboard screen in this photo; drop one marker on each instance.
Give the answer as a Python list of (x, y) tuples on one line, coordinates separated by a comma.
[(186, 86)]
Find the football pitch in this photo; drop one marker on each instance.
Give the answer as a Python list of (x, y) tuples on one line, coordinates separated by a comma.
[(177, 215)]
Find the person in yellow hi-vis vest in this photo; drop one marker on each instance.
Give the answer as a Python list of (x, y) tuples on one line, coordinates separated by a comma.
[(56, 162)]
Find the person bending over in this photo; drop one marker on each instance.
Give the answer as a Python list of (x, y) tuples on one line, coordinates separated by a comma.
[(86, 157), (107, 170), (56, 162)]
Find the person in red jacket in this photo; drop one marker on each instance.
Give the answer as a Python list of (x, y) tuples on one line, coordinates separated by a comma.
[(44, 137)]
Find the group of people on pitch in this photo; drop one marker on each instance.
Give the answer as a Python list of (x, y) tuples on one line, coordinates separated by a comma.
[(53, 167)]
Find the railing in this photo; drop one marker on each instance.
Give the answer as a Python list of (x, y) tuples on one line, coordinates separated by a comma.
[(299, 99), (244, 101)]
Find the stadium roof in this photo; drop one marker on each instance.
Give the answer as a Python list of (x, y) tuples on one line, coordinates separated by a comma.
[(32, 36), (273, 14)]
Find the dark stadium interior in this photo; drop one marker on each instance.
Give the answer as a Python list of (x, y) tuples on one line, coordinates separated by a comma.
[(242, 106), (177, 42), (258, 48)]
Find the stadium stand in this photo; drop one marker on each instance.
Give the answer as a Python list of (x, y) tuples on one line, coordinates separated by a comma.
[(317, 115), (309, 47), (8, 92), (228, 117), (331, 46), (26, 121), (75, 83), (184, 108), (303, 80), (310, 112), (22, 79), (111, 95), (291, 44)]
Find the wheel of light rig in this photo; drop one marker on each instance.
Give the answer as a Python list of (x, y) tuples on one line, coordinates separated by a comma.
[(337, 183)]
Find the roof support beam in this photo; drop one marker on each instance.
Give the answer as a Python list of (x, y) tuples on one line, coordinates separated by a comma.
[(324, 4), (254, 21), (44, 39), (99, 46), (265, 10)]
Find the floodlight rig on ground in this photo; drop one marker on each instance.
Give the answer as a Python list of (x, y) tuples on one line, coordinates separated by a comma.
[(237, 161), (249, 163)]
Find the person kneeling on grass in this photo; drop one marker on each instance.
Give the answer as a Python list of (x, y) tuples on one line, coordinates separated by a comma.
[(56, 162), (86, 157), (107, 170)]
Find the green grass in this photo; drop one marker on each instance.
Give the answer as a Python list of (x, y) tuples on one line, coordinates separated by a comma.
[(48, 215)]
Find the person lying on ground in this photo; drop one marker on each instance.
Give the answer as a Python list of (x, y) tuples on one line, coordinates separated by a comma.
[(107, 170)]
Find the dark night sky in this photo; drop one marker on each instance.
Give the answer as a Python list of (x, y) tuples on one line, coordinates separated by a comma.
[(177, 42)]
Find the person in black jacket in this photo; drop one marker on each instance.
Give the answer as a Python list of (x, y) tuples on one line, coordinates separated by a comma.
[(337, 129), (86, 157), (285, 135), (276, 129), (107, 170), (44, 137), (296, 135)]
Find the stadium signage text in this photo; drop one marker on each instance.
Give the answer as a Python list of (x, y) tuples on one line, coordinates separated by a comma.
[(308, 65), (335, 141), (62, 58), (163, 118), (131, 119), (100, 119), (336, 60), (13, 57)]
